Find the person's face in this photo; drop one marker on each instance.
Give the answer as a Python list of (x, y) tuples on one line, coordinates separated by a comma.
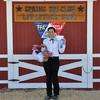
[(51, 33)]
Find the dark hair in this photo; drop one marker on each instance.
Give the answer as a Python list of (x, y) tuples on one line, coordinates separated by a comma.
[(52, 28)]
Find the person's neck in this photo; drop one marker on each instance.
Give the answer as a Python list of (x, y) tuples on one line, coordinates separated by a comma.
[(52, 37)]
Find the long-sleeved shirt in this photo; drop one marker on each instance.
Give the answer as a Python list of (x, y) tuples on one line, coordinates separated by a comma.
[(54, 46)]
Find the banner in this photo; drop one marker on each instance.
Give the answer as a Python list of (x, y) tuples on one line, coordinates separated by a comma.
[(49, 12), (58, 26), (43, 26)]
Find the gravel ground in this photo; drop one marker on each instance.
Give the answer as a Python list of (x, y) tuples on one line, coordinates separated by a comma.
[(39, 94)]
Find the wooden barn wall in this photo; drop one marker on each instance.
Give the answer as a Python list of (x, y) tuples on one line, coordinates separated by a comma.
[(3, 35), (96, 41), (3, 42), (25, 35)]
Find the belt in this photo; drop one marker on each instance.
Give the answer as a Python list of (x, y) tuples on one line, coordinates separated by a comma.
[(53, 57)]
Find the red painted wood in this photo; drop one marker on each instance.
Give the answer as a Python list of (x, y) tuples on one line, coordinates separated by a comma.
[(3, 30), (3, 62), (96, 41), (4, 75), (96, 27), (3, 43), (3, 86)]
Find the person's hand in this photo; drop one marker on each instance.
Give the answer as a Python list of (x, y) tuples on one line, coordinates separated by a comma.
[(34, 47), (42, 45), (64, 40)]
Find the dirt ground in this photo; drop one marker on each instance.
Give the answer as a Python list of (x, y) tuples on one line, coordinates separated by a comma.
[(39, 94)]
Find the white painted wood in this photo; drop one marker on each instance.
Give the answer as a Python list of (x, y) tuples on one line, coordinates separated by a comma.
[(43, 85), (31, 76), (90, 42), (72, 56), (62, 56), (84, 70), (3, 81), (70, 76), (73, 85), (10, 40), (31, 66), (96, 67), (3, 56), (96, 55), (3, 68), (9, 30), (40, 72), (96, 80), (71, 66), (16, 71)]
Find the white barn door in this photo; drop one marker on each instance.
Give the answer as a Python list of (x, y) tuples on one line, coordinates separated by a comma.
[(16, 81)]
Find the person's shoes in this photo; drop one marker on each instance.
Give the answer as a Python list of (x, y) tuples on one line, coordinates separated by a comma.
[(47, 98), (55, 97)]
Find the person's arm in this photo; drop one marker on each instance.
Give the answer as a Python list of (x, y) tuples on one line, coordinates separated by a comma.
[(43, 46), (62, 45)]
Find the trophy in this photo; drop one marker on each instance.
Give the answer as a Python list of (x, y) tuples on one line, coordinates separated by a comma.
[(61, 40)]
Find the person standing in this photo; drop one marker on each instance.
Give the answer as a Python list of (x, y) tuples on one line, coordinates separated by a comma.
[(51, 66)]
